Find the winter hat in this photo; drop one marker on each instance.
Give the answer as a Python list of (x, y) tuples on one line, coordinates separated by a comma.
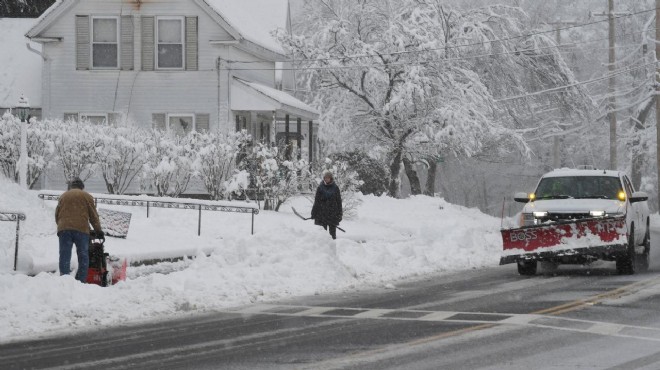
[(76, 183), (328, 173)]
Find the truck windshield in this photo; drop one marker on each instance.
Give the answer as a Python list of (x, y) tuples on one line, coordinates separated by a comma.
[(594, 187)]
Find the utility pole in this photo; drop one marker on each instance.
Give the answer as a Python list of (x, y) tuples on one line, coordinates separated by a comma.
[(657, 101), (612, 104), (557, 141)]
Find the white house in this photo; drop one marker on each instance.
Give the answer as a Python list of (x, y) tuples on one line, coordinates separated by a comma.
[(177, 65), (20, 65)]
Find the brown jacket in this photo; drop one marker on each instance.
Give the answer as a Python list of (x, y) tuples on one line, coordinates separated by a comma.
[(75, 211)]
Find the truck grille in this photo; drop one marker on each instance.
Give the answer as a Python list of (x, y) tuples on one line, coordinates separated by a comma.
[(558, 217)]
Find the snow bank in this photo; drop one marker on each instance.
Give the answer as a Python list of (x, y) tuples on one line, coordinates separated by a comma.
[(388, 240)]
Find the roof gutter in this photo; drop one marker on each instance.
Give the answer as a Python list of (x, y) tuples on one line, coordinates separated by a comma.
[(39, 53)]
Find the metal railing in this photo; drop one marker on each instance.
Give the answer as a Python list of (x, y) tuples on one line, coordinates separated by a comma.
[(188, 204), (18, 217)]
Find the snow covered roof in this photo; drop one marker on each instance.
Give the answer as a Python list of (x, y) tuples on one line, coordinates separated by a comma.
[(251, 96), (20, 69), (566, 172), (255, 19)]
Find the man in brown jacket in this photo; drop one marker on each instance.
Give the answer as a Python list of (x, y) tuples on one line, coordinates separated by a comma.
[(75, 211)]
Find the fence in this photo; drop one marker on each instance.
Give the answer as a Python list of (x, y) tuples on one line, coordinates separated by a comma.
[(148, 202), (18, 217)]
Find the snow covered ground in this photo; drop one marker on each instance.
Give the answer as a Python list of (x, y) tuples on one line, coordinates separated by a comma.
[(389, 239)]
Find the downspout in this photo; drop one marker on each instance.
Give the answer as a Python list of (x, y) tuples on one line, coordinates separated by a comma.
[(45, 69), (217, 66)]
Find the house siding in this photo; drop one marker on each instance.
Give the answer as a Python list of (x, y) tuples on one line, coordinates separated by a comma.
[(134, 88), (136, 93)]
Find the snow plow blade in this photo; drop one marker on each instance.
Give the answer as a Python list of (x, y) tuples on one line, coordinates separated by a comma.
[(597, 237)]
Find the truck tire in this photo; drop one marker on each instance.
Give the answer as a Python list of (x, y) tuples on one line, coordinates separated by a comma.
[(527, 268), (643, 260), (625, 264)]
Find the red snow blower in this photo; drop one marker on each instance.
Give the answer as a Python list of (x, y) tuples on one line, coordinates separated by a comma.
[(104, 270)]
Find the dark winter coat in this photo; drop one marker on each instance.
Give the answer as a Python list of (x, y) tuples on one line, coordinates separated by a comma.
[(327, 209)]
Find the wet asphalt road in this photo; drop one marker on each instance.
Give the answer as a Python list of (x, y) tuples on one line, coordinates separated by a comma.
[(575, 317)]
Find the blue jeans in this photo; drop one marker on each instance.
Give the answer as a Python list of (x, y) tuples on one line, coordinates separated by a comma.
[(81, 240)]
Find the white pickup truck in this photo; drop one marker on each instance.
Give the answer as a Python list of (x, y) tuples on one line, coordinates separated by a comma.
[(578, 216)]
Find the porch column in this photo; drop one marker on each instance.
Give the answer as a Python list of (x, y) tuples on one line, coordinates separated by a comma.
[(299, 141), (310, 137), (287, 153), (253, 129)]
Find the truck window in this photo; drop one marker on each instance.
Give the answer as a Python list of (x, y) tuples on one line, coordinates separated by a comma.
[(596, 187)]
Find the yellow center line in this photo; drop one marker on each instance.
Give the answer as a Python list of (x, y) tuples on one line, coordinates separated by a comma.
[(556, 310), (581, 303)]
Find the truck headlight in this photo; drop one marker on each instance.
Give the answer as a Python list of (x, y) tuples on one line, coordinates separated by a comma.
[(540, 214), (596, 213)]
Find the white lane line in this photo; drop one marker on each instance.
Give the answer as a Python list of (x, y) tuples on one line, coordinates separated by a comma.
[(314, 311), (605, 328), (372, 313), (517, 320), (438, 316)]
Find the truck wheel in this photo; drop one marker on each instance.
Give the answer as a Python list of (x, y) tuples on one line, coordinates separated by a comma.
[(643, 260), (625, 264), (527, 267)]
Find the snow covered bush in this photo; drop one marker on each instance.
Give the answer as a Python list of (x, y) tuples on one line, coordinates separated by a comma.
[(39, 147), (345, 177), (273, 178), (120, 155), (168, 166), (75, 147), (215, 160)]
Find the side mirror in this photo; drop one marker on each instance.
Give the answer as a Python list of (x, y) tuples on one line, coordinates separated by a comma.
[(639, 196), (521, 197)]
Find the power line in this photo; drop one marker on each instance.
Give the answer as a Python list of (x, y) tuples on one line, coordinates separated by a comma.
[(516, 52), (559, 88), (469, 44)]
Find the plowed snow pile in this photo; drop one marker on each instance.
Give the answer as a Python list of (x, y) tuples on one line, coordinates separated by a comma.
[(389, 239)]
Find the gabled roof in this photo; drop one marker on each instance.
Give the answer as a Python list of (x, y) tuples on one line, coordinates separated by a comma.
[(254, 20), (21, 68), (49, 16), (249, 20), (251, 96)]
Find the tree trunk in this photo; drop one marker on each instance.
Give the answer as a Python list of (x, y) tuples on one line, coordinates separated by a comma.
[(430, 178), (639, 154), (395, 168), (413, 178)]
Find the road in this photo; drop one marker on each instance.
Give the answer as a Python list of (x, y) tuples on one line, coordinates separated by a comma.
[(583, 317)]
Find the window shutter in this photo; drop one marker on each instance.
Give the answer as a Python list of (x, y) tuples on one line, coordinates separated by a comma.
[(191, 44), (148, 40), (70, 117), (202, 122), (159, 121), (82, 42), (127, 60)]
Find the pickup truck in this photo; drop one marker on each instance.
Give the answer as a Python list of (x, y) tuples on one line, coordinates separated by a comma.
[(579, 216)]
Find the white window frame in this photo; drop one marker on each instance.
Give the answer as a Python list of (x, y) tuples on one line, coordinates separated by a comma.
[(180, 115), (183, 43), (91, 41), (82, 116)]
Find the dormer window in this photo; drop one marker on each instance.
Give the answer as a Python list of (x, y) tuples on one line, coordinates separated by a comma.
[(169, 46), (105, 42)]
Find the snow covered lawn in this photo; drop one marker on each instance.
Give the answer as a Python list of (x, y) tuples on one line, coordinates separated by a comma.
[(389, 239)]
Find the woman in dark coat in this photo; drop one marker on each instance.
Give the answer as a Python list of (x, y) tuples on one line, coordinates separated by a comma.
[(327, 209)]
